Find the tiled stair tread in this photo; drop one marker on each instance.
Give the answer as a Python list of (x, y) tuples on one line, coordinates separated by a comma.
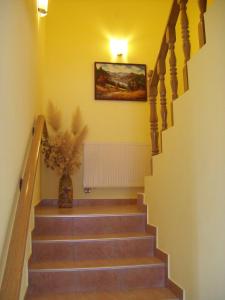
[(137, 294), (86, 210), (126, 235), (98, 264)]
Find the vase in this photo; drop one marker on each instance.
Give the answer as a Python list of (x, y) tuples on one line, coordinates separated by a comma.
[(65, 191)]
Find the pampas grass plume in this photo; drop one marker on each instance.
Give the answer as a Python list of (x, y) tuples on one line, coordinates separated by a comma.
[(62, 150), (54, 117)]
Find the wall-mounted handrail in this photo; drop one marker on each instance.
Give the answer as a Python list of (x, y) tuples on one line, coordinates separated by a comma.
[(10, 289), (157, 75)]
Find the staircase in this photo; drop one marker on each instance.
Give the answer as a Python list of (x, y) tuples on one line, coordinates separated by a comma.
[(99, 249)]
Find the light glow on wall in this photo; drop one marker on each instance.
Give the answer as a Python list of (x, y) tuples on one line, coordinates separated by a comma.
[(119, 47), (42, 7)]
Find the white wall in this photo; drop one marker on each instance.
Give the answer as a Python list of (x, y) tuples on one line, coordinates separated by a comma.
[(19, 102), (185, 195)]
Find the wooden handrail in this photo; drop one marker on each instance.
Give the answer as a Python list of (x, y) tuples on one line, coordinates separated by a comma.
[(10, 289)]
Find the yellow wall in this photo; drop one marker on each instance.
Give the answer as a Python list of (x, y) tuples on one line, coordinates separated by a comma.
[(19, 98), (185, 195), (77, 35)]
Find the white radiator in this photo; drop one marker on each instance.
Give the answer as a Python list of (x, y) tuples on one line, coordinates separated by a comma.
[(116, 165)]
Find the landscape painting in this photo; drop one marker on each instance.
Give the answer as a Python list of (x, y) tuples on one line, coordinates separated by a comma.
[(117, 81)]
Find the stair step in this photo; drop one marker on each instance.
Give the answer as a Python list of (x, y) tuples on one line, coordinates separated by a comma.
[(96, 250), (94, 247), (90, 202), (89, 224), (105, 236), (97, 275), (134, 294), (115, 263), (96, 210)]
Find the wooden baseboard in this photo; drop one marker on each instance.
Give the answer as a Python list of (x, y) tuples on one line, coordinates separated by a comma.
[(151, 229), (178, 292), (161, 255)]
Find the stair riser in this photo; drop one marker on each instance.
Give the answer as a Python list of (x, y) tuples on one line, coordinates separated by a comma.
[(89, 225), (96, 280), (94, 249), (90, 202)]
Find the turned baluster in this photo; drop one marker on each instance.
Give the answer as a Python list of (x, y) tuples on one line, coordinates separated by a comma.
[(161, 70), (171, 40), (153, 116), (201, 26), (186, 40)]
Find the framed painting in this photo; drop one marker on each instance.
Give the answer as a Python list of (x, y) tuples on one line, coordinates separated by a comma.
[(120, 81)]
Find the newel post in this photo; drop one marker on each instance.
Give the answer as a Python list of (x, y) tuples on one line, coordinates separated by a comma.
[(186, 40), (201, 26), (171, 40), (153, 115)]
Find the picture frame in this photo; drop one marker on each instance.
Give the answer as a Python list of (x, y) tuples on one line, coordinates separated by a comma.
[(120, 81)]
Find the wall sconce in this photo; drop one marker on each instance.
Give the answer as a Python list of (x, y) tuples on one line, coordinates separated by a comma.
[(42, 7), (119, 47)]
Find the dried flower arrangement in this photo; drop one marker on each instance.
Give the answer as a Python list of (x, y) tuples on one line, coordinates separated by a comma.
[(62, 150)]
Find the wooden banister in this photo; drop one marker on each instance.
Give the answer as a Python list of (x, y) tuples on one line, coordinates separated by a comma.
[(171, 39), (10, 289), (172, 20), (153, 117), (157, 78), (158, 75), (162, 90), (201, 26), (186, 40)]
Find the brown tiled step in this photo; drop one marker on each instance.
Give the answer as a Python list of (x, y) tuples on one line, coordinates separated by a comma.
[(94, 210), (98, 275), (93, 236), (92, 247), (89, 220), (134, 294), (90, 202)]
